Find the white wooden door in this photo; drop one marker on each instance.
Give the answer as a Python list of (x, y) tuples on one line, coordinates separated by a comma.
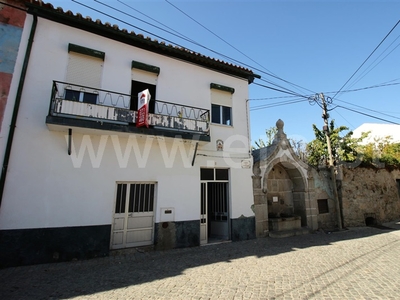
[(133, 215), (203, 215)]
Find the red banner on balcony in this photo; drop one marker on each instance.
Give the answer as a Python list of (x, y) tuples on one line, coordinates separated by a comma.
[(143, 109)]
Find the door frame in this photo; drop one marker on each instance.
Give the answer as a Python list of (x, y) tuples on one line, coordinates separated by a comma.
[(132, 214), (207, 201)]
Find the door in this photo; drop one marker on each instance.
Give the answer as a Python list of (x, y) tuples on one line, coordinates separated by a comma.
[(218, 217), (133, 224), (203, 215), (214, 205)]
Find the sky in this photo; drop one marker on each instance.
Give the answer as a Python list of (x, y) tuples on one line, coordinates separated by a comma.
[(346, 49)]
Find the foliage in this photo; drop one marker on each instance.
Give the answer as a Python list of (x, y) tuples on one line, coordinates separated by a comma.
[(344, 147), (300, 148), (270, 133), (382, 150)]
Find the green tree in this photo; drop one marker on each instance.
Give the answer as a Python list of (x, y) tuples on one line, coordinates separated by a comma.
[(270, 133), (344, 147), (382, 150)]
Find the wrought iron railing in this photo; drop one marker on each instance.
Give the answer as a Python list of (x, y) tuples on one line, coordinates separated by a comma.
[(76, 101)]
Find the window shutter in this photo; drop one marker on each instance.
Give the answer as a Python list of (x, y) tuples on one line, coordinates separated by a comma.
[(84, 70)]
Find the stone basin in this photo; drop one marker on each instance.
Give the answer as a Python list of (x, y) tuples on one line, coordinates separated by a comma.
[(283, 224)]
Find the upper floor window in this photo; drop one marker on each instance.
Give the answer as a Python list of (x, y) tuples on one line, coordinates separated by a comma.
[(144, 76), (221, 114), (221, 104), (84, 72)]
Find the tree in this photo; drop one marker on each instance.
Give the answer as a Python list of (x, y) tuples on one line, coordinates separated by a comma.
[(270, 133), (382, 150), (345, 148), (300, 149)]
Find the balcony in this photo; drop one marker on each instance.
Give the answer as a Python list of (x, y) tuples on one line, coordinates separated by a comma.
[(73, 105)]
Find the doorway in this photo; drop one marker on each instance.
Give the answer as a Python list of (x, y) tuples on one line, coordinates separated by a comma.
[(214, 212), (133, 215)]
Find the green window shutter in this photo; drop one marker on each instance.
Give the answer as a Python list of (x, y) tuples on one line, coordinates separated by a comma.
[(86, 51), (222, 88), (145, 67)]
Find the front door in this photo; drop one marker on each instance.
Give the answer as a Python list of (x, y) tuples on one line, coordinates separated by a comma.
[(133, 224), (214, 205)]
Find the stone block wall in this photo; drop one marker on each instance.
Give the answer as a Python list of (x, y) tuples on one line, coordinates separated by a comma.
[(370, 192)]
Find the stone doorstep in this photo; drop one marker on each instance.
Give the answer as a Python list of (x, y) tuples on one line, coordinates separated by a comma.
[(288, 233)]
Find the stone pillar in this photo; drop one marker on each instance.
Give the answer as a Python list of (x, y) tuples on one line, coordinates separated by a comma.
[(260, 207)]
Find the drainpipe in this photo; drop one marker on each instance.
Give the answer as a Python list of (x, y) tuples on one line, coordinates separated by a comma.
[(16, 108)]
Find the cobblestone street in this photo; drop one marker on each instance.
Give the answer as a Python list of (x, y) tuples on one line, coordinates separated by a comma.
[(359, 263)]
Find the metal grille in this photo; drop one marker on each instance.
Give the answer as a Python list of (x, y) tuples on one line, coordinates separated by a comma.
[(141, 197), (219, 207), (121, 199)]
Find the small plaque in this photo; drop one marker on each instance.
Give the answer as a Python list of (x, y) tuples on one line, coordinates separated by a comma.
[(274, 199), (246, 164), (220, 145)]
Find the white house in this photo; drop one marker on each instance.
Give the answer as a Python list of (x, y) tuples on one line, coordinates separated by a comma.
[(80, 178), (378, 131)]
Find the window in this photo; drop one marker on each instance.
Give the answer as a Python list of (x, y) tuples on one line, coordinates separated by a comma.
[(143, 77), (323, 206), (138, 87), (214, 174), (80, 96), (140, 197), (398, 186), (84, 69), (84, 72), (221, 114)]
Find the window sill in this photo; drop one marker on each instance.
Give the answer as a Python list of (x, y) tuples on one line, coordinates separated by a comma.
[(222, 125)]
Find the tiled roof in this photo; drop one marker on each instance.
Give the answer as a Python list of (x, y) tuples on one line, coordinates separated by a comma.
[(47, 10)]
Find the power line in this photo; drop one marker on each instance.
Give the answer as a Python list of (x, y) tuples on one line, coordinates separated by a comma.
[(366, 59), (200, 45), (368, 115), (278, 90), (154, 20), (139, 19), (385, 84), (270, 98), (369, 69), (226, 42), (271, 105), (367, 88), (375, 111)]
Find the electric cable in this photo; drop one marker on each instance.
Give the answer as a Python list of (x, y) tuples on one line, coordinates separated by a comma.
[(369, 69), (154, 20), (226, 42), (366, 59), (222, 55), (368, 115)]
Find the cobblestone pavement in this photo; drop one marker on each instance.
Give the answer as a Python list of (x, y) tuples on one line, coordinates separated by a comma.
[(358, 263)]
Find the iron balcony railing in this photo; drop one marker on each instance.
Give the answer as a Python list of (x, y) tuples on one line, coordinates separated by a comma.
[(81, 102)]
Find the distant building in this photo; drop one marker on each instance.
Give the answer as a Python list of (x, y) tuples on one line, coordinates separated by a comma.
[(378, 131)]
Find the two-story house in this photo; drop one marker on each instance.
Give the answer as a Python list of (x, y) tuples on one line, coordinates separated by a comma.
[(80, 178)]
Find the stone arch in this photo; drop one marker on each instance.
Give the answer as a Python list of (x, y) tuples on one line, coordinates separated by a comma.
[(285, 180)]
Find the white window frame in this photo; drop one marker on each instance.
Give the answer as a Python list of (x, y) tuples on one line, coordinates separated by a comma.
[(221, 115)]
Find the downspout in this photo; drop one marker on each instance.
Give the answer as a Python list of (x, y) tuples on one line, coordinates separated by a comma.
[(16, 108)]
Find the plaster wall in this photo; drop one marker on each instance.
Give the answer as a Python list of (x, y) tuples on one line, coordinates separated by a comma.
[(46, 187)]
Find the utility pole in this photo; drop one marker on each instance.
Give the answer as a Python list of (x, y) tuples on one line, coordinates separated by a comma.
[(325, 116)]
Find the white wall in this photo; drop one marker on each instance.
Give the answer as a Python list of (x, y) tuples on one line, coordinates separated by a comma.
[(45, 189)]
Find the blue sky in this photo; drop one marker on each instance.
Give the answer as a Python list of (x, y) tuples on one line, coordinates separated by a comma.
[(314, 46)]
